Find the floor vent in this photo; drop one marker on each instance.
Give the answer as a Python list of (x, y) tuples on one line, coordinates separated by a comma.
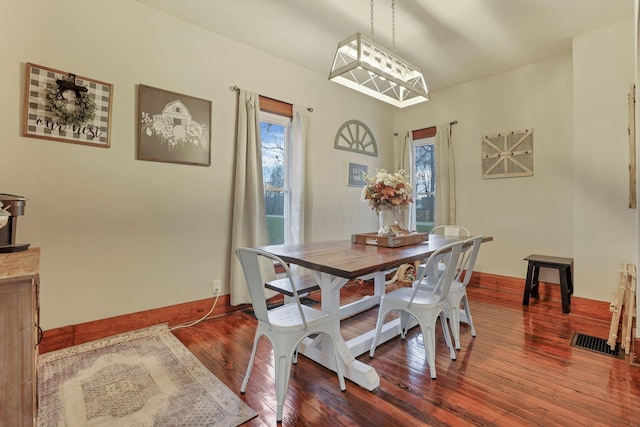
[(595, 344)]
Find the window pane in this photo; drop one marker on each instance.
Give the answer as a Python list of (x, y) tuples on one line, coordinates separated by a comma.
[(273, 154), (274, 175), (425, 215), (274, 204), (425, 171), (424, 182)]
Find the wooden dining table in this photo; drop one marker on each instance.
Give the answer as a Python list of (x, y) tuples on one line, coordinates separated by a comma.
[(336, 263)]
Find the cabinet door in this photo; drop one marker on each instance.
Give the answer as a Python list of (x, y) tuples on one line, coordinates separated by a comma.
[(17, 352), (36, 337)]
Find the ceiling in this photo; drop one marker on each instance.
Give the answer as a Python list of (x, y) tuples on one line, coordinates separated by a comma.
[(452, 41)]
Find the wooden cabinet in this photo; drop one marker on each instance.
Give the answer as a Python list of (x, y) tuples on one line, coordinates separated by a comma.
[(19, 311)]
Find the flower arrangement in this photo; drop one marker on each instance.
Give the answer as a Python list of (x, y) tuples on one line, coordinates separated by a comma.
[(386, 189)]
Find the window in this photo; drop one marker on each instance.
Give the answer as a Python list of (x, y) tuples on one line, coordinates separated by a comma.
[(274, 133), (423, 180)]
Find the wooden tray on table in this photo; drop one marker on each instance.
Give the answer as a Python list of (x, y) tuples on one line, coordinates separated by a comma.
[(389, 241)]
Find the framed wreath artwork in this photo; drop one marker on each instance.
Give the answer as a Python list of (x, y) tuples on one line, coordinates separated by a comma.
[(62, 106), (173, 128)]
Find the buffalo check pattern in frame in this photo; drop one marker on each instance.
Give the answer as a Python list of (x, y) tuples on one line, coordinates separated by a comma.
[(40, 123)]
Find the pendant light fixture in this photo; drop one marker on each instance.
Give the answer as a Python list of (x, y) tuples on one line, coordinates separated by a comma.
[(364, 65)]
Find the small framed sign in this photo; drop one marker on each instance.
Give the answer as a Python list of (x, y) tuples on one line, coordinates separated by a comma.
[(356, 175)]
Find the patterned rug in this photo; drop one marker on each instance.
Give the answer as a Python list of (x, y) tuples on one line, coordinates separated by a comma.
[(139, 378)]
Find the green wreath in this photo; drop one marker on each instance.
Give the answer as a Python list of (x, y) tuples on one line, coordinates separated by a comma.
[(84, 112)]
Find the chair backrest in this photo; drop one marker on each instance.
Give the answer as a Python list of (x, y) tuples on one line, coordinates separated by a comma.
[(450, 255), (250, 259), (468, 259), (451, 230)]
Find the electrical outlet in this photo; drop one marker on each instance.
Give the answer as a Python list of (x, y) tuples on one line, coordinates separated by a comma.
[(216, 287)]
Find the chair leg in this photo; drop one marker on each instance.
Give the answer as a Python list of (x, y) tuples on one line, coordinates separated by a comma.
[(453, 310), (467, 310), (339, 371), (528, 284), (405, 319), (243, 387), (282, 364), (564, 290), (376, 336), (429, 341), (535, 286), (447, 336)]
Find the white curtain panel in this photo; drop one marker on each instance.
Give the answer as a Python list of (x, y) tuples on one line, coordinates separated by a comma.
[(402, 152), (249, 224), (299, 126), (445, 176)]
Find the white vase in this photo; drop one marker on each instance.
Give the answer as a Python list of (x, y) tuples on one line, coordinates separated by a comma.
[(386, 219), (392, 220)]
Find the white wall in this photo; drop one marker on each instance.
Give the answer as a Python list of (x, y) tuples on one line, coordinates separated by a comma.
[(575, 204), (120, 235), (604, 226)]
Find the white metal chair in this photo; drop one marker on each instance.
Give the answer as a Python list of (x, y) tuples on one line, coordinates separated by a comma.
[(284, 326), (451, 230), (425, 307), (448, 231), (457, 294)]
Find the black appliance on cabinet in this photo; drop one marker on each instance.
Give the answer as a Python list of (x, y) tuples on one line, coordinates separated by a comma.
[(15, 206)]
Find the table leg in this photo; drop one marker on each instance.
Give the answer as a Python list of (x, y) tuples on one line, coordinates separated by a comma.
[(379, 285), (320, 350)]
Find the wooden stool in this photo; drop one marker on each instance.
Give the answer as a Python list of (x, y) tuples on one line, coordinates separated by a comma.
[(564, 266)]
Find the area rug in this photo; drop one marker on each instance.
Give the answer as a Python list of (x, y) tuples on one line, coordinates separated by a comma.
[(139, 378)]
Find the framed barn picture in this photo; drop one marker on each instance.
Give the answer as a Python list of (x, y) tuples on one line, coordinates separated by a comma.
[(173, 127), (62, 106)]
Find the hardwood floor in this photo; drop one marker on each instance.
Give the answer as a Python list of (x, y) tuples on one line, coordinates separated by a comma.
[(520, 370)]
